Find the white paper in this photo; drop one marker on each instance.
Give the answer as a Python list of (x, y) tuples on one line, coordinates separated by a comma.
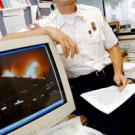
[(110, 98), (128, 66), (129, 69), (130, 74), (14, 23), (90, 131), (71, 127)]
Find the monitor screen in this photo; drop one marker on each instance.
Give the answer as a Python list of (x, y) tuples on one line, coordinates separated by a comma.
[(120, 10), (30, 86)]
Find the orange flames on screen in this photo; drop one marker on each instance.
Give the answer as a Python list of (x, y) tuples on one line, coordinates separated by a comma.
[(31, 72)]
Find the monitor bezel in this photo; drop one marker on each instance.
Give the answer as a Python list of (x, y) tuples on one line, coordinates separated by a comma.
[(50, 119)]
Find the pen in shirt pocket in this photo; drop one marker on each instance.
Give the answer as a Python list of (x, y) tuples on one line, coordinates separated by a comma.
[(93, 28)]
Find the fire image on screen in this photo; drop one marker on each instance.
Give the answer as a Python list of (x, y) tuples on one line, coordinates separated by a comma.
[(29, 84)]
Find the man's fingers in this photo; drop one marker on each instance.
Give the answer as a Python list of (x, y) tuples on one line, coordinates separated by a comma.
[(121, 88), (64, 51), (121, 81), (117, 81), (73, 47), (67, 47), (124, 82)]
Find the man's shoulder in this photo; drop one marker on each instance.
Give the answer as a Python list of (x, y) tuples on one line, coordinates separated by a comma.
[(53, 13), (48, 20), (88, 8)]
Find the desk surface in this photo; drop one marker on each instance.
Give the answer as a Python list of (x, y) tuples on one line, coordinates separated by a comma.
[(84, 119), (126, 37)]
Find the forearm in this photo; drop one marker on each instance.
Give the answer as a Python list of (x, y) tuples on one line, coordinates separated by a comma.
[(37, 32), (116, 58)]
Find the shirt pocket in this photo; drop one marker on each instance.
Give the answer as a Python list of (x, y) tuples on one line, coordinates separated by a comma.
[(96, 44), (96, 37)]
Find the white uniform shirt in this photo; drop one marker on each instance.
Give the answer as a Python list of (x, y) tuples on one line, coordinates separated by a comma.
[(92, 44)]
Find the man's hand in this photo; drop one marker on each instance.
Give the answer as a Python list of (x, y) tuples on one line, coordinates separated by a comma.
[(33, 26), (121, 81), (67, 44)]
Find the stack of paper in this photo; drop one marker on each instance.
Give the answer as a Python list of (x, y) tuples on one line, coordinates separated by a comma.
[(131, 55), (110, 98), (128, 47), (71, 127), (131, 51), (129, 69)]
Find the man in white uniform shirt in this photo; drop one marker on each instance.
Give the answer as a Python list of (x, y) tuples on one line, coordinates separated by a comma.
[(87, 27), (89, 66)]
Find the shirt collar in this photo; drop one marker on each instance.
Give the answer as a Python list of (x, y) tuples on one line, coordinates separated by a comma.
[(80, 12), (61, 20)]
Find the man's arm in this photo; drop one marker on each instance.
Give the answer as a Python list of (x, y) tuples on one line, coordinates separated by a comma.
[(117, 62), (24, 34), (67, 44)]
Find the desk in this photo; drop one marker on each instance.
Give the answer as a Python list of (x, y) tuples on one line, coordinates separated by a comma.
[(126, 36)]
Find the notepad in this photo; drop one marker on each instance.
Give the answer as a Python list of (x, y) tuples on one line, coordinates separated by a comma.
[(110, 98)]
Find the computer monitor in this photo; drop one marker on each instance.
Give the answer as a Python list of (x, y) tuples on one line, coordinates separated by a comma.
[(34, 90)]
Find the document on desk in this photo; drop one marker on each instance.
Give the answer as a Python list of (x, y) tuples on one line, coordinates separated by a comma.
[(110, 98), (71, 127), (129, 69)]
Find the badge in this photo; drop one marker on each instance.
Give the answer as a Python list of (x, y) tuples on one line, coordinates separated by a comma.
[(93, 25)]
